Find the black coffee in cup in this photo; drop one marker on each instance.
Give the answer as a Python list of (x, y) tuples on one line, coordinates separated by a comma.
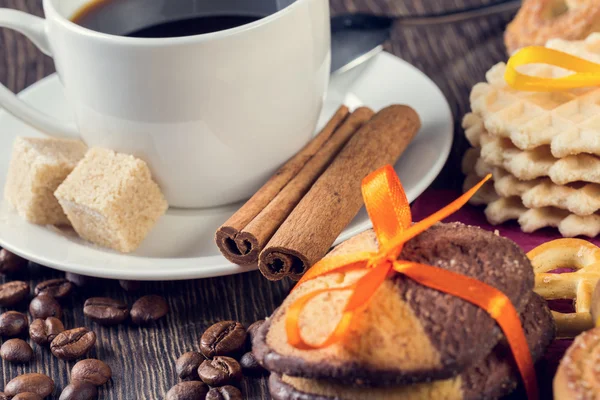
[(173, 18)]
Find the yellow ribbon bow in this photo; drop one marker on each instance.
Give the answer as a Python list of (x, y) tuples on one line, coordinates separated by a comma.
[(586, 73), (390, 214)]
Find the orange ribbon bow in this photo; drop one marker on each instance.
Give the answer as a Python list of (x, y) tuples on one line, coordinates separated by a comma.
[(389, 211)]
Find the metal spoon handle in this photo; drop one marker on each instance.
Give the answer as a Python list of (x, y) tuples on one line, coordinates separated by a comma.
[(462, 15)]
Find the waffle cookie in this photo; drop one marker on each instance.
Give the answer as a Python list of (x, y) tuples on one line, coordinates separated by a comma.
[(579, 198), (531, 164), (492, 378), (535, 204), (531, 220), (568, 121), (407, 332), (542, 148)]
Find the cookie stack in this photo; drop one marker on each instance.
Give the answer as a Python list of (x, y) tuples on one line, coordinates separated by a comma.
[(543, 149), (409, 341)]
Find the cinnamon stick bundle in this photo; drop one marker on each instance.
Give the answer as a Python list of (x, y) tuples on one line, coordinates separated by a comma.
[(335, 198), (244, 235)]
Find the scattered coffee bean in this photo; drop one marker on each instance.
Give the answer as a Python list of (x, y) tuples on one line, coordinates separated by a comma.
[(43, 331), (223, 338), (34, 383), (13, 323), (224, 393), (44, 306), (73, 343), (130, 286), (250, 366), (13, 292), (91, 370), (187, 366), (149, 309), (16, 351), (11, 263), (105, 311), (57, 288), (27, 396), (220, 371), (252, 330), (78, 390), (78, 280), (191, 390)]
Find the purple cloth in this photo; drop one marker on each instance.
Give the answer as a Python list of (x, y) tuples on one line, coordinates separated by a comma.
[(433, 200)]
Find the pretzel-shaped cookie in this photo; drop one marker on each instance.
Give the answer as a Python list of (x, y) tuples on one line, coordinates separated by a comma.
[(577, 254), (541, 20)]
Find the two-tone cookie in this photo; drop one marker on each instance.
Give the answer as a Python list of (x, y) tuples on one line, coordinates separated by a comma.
[(406, 333), (493, 378)]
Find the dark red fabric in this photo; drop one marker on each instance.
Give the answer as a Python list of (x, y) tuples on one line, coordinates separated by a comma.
[(433, 200)]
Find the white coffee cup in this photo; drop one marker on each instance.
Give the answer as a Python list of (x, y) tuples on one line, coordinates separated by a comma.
[(213, 115)]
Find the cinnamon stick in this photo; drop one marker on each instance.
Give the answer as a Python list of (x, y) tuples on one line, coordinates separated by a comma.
[(266, 223), (335, 198), (238, 247)]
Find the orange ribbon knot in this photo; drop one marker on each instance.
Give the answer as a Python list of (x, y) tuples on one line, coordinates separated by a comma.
[(390, 214)]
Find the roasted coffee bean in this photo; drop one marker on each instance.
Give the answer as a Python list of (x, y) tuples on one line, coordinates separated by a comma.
[(91, 370), (57, 288), (223, 338), (43, 331), (220, 371), (13, 292), (79, 390), (224, 393), (45, 306), (3, 396), (13, 323), (250, 366), (130, 286), (105, 311), (27, 396), (252, 330), (187, 366), (191, 390), (78, 280), (149, 309), (16, 351), (73, 343), (34, 383), (11, 263)]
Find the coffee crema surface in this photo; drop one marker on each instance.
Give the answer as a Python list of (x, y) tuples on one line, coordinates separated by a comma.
[(193, 26), (118, 17)]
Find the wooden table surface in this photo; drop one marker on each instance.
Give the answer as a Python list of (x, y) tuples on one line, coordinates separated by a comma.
[(454, 56)]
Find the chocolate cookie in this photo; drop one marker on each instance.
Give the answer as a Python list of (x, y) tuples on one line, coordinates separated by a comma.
[(493, 378), (406, 333)]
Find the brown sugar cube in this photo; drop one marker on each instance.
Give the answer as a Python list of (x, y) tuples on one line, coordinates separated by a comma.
[(111, 199), (37, 167)]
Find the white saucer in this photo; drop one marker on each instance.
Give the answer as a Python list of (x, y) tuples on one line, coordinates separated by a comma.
[(181, 246)]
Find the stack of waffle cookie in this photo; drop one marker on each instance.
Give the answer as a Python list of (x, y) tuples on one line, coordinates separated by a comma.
[(543, 149)]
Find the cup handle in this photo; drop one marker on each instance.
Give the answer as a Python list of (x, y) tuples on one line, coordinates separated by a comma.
[(35, 29)]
